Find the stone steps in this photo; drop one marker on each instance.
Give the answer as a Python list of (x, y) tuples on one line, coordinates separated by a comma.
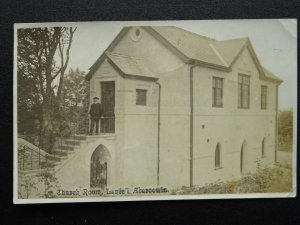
[(78, 137), (65, 147), (61, 152), (56, 158), (72, 142), (49, 164)]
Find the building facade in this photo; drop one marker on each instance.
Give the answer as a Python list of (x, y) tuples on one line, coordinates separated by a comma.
[(183, 109)]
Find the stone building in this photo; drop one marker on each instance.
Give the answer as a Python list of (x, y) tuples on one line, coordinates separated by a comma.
[(182, 109), (179, 109)]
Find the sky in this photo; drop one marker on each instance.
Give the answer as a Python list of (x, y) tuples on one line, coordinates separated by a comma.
[(274, 41)]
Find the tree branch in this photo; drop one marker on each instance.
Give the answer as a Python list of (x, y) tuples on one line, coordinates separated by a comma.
[(64, 65)]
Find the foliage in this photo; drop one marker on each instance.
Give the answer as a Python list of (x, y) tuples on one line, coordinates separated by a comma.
[(285, 122), (285, 130), (28, 185), (50, 184), (42, 58), (265, 180), (76, 100)]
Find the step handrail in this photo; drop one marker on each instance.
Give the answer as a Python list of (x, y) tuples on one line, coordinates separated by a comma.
[(25, 146), (38, 150)]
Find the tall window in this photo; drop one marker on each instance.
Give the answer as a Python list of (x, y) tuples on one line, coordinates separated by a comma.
[(141, 97), (217, 92), (243, 91), (264, 90), (218, 157)]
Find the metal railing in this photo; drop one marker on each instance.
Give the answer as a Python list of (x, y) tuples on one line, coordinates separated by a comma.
[(106, 125), (30, 158), (98, 174)]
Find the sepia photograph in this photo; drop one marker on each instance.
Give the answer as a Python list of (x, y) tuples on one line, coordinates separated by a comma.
[(155, 110)]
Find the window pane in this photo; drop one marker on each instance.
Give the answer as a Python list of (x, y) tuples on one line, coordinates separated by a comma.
[(243, 91), (217, 91), (141, 97), (245, 98), (213, 96), (246, 80), (239, 95), (219, 82), (263, 97), (240, 80), (219, 97)]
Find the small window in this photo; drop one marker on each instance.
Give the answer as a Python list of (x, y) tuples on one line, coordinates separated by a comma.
[(217, 92), (141, 97), (243, 91), (264, 90), (218, 157)]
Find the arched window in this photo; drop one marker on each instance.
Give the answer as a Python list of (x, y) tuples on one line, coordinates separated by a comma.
[(263, 148), (242, 160), (243, 155), (218, 157)]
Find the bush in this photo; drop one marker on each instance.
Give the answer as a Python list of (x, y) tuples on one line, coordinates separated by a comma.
[(265, 180)]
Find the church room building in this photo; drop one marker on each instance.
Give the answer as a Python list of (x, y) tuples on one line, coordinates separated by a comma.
[(183, 109)]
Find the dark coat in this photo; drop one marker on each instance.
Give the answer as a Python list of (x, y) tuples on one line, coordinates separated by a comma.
[(96, 110)]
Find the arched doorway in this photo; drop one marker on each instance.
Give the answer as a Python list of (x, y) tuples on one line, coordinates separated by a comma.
[(243, 155), (100, 167)]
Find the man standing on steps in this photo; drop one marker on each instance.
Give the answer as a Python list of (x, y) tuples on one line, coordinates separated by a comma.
[(95, 115)]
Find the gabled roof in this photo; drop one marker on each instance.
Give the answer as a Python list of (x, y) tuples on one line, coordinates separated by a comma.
[(130, 66), (271, 76), (193, 46), (230, 49), (188, 46), (103, 56)]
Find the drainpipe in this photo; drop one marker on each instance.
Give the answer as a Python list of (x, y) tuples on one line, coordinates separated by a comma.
[(191, 124), (158, 131), (276, 125)]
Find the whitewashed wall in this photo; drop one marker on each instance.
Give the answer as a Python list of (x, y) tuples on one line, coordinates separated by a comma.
[(136, 126)]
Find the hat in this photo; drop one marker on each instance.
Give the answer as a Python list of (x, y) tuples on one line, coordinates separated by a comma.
[(96, 98)]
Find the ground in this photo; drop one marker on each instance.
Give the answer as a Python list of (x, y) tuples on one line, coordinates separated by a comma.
[(285, 157)]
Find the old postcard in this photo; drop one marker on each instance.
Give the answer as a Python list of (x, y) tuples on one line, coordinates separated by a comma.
[(154, 110)]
